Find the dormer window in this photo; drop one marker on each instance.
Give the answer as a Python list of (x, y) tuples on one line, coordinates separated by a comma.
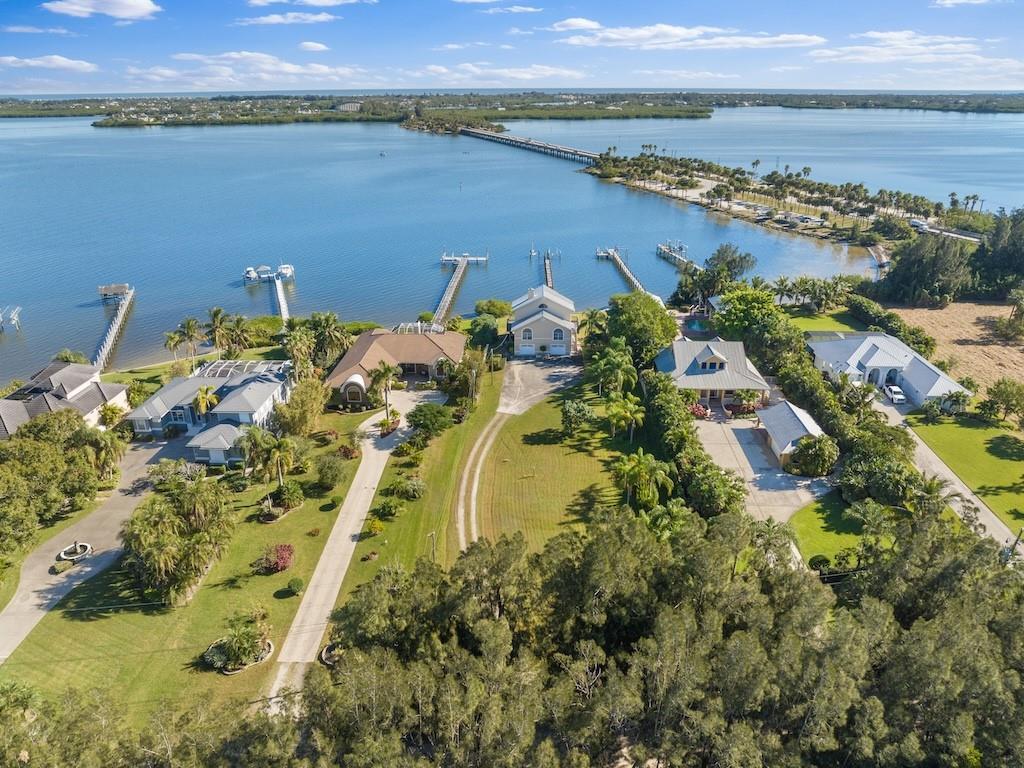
[(703, 366)]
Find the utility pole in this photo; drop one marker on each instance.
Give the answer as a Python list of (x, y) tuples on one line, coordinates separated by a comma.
[(433, 546)]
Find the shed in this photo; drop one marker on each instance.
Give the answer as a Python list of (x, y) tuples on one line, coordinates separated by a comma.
[(786, 425)]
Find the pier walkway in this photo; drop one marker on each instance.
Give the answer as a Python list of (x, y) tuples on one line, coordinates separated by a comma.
[(549, 279), (461, 262), (282, 302), (676, 253), (125, 295), (555, 150), (612, 255)]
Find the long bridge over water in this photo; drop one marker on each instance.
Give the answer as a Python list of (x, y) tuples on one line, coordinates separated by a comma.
[(555, 150)]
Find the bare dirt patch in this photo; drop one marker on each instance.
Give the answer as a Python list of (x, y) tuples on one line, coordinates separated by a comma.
[(964, 331)]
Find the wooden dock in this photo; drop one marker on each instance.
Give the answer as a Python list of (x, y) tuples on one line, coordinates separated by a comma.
[(676, 253), (124, 295), (555, 150), (613, 255), (282, 302), (549, 279), (460, 262)]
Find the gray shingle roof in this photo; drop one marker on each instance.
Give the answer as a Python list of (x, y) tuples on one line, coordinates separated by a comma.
[(247, 393), (682, 362), (13, 414), (219, 437), (180, 391), (788, 424)]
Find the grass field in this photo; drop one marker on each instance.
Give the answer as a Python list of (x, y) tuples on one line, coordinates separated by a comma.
[(535, 482), (821, 529), (989, 459), (836, 320), (407, 536), (103, 636)]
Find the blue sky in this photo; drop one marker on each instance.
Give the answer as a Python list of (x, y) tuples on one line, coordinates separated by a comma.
[(99, 46)]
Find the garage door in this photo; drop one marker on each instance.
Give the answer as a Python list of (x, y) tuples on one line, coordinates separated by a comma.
[(526, 349), (558, 349)]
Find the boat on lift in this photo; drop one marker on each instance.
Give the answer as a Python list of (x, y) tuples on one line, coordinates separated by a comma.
[(250, 275), (286, 272)]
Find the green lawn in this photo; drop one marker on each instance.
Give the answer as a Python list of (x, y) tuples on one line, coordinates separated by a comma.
[(821, 529), (102, 635), (407, 536), (836, 320), (536, 482), (989, 460)]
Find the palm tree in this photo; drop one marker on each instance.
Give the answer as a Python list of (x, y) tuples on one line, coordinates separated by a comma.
[(300, 345), (594, 322), (253, 444), (332, 338), (932, 496), (238, 334), (107, 450), (216, 328), (205, 399), (281, 456), (382, 378), (625, 410), (172, 342), (642, 474), (772, 537), (192, 334), (782, 287)]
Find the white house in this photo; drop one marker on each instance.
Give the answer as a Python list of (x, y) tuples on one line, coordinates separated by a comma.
[(60, 386), (542, 323), (247, 391), (880, 359), (785, 425), (715, 369)]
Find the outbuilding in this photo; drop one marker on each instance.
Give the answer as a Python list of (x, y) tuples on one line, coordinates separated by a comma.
[(785, 425)]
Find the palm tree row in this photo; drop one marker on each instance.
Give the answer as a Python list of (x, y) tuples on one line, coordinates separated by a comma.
[(229, 333), (267, 454)]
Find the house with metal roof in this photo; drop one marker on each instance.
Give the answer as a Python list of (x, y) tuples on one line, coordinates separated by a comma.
[(60, 386), (785, 425), (879, 359), (426, 355), (542, 323), (246, 391), (716, 370)]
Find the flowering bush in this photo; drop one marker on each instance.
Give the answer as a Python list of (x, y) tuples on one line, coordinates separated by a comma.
[(699, 411), (276, 559)]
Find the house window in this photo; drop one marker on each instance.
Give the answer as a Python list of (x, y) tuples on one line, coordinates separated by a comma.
[(703, 366), (527, 334), (712, 366), (559, 334), (178, 417), (353, 395), (721, 366)]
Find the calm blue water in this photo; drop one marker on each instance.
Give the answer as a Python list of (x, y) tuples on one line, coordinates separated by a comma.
[(924, 153), (180, 212)]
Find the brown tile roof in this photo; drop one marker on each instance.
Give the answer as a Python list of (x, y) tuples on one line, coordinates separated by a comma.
[(376, 346)]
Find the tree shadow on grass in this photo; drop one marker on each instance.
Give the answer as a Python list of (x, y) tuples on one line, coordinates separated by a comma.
[(235, 581), (1007, 447), (832, 520), (112, 592), (549, 436), (588, 503)]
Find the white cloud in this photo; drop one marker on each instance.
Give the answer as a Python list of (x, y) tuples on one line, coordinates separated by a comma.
[(483, 73), (314, 47), (567, 25), (125, 10), (684, 74), (514, 9), (239, 70), (459, 46), (673, 37), (475, 2), (19, 29), (292, 17), (954, 3), (787, 68), (52, 61), (517, 31)]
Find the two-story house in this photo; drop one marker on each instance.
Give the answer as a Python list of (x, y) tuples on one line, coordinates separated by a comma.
[(542, 323)]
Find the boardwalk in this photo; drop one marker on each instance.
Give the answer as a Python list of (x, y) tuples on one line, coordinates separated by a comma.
[(282, 302), (124, 303), (555, 150), (549, 279), (612, 255), (675, 253)]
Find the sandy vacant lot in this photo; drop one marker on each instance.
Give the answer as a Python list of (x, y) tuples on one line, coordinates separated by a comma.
[(962, 332)]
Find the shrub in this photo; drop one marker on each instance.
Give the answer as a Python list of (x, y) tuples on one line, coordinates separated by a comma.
[(244, 643), (430, 419), (347, 451), (414, 460), (403, 449), (62, 566), (407, 487), (418, 441), (330, 470), (389, 507), (237, 482), (295, 586), (575, 413), (275, 559), (932, 411), (215, 470), (289, 495), (699, 411), (313, 533), (497, 362), (337, 500), (374, 526), (815, 456), (819, 563)]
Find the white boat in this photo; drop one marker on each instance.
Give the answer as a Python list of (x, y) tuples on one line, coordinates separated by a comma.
[(263, 272), (286, 272), (250, 275)]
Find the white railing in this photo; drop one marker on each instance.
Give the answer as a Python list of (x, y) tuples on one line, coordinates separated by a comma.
[(114, 329)]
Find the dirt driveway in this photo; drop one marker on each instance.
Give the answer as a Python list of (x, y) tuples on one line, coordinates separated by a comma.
[(771, 493)]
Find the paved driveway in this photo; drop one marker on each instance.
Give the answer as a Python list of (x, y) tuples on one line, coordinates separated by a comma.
[(771, 493), (527, 382), (38, 589)]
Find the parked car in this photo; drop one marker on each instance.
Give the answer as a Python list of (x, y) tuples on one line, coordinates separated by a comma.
[(895, 394)]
